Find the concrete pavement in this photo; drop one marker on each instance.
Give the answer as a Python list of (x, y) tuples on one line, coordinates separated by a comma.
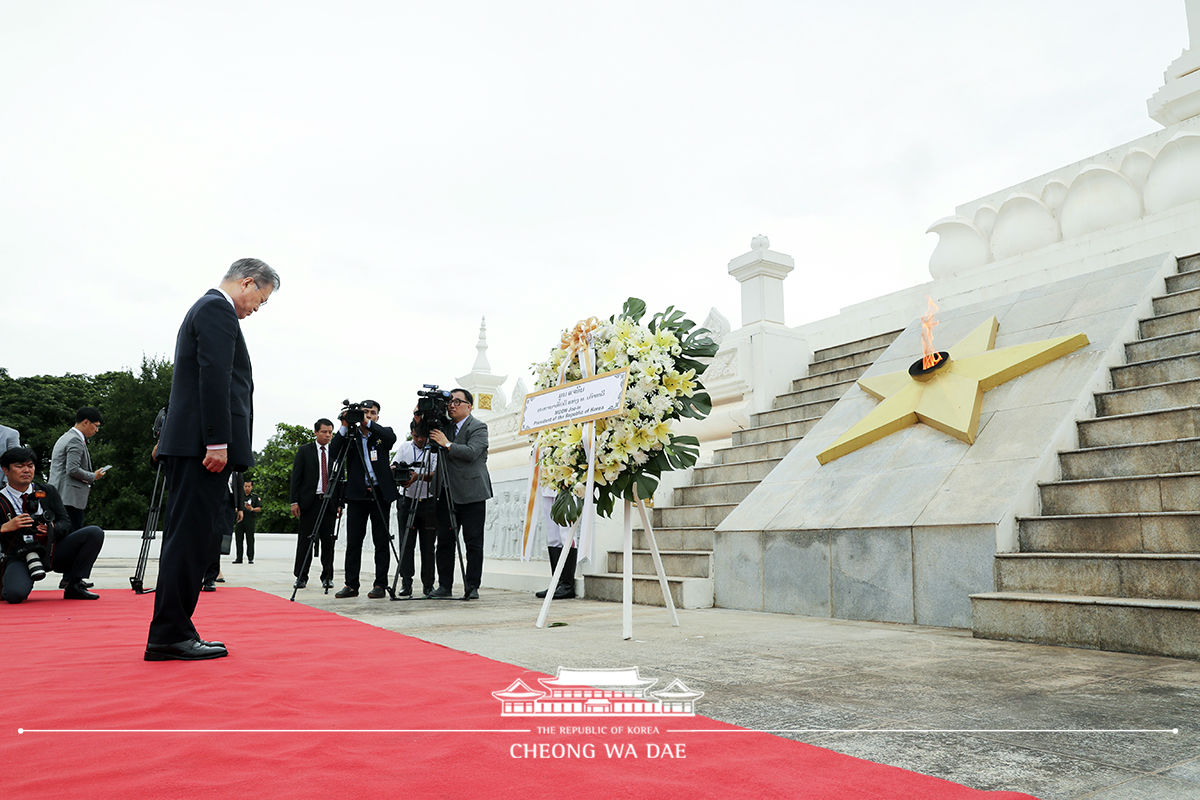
[(933, 700)]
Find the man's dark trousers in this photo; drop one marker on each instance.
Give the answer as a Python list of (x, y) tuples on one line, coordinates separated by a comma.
[(323, 543), (197, 509), (357, 513), (470, 518)]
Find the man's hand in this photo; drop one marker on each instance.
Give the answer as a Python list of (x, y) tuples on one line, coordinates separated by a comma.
[(16, 523), (296, 510), (98, 474), (215, 460), (439, 438), (239, 516)]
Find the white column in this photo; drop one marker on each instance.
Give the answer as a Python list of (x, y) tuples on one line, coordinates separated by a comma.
[(769, 354)]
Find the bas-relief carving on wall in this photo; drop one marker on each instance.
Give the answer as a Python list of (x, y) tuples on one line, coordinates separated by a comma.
[(505, 522)]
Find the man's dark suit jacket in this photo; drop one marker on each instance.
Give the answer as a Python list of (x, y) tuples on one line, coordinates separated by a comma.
[(306, 475), (466, 463), (379, 441), (212, 391), (211, 403)]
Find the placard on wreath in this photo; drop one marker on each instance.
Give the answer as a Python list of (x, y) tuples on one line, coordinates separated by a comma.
[(573, 403)]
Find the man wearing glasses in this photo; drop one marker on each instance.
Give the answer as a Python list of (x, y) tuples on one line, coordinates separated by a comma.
[(470, 487), (205, 437)]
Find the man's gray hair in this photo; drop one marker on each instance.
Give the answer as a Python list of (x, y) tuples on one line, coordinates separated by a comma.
[(253, 268)]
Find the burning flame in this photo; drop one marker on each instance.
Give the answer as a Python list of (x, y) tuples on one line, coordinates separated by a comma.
[(929, 357)]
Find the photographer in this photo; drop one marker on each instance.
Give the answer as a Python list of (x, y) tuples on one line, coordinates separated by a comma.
[(36, 534), (369, 494), (416, 509), (470, 487)]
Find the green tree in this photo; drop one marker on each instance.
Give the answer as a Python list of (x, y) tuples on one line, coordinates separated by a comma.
[(42, 407), (130, 404), (271, 472)]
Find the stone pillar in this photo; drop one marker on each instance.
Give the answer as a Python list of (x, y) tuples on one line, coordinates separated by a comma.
[(761, 273), (1179, 96), (769, 355), (482, 382)]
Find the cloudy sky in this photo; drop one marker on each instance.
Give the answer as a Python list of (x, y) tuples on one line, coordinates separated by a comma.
[(412, 167)]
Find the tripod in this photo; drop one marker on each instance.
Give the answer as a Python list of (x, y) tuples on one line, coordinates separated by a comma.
[(337, 475), (156, 499), (426, 473)]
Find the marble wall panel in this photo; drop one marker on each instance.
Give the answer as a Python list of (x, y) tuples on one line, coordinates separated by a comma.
[(872, 574), (797, 573), (738, 570), (950, 563)]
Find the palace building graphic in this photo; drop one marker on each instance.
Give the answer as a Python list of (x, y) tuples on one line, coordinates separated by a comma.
[(597, 692)]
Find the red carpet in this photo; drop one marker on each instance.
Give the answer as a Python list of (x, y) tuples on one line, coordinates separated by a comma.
[(101, 723)]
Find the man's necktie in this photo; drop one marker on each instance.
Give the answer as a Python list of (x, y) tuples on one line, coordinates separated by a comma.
[(324, 471)]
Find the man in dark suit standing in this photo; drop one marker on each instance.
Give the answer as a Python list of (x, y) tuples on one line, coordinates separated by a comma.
[(470, 487), (369, 494), (312, 471), (205, 436)]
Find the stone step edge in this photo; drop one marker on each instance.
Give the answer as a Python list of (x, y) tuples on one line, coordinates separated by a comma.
[(1089, 600), (777, 424), (860, 367), (1160, 359), (1144, 386), (1196, 290), (809, 403), (1160, 337), (752, 444), (1171, 314), (661, 552), (1133, 414), (1150, 443), (645, 577), (722, 483), (1078, 481), (816, 362), (893, 334), (1109, 515), (1126, 556)]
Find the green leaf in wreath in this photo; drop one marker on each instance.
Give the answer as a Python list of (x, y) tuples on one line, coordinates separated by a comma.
[(682, 451), (698, 406), (566, 509), (634, 308)]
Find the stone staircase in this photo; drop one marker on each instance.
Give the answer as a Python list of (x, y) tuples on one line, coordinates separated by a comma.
[(684, 531), (1114, 562)]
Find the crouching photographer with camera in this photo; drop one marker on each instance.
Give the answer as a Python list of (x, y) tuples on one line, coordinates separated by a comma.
[(36, 534)]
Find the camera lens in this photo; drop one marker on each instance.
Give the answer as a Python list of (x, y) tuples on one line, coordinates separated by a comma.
[(34, 564)]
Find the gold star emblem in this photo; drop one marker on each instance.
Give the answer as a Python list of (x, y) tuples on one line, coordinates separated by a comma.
[(949, 396)]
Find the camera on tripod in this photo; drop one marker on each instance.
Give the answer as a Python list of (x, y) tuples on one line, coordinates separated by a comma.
[(402, 473), (433, 405), (352, 413)]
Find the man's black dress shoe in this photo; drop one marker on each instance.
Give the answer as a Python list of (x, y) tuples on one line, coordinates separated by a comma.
[(346, 591), (208, 587), (326, 584), (238, 561), (187, 650), (300, 584), (405, 591), (65, 582), (440, 593), (376, 592), (213, 644), (472, 594), (564, 591), (77, 590), (220, 580)]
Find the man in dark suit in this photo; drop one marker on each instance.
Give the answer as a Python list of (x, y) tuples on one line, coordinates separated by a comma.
[(312, 471), (470, 487), (370, 492), (206, 435)]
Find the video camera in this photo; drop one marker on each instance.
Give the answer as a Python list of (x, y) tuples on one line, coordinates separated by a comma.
[(352, 413), (433, 405)]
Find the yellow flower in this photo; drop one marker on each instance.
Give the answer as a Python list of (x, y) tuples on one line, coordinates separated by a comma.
[(680, 383)]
